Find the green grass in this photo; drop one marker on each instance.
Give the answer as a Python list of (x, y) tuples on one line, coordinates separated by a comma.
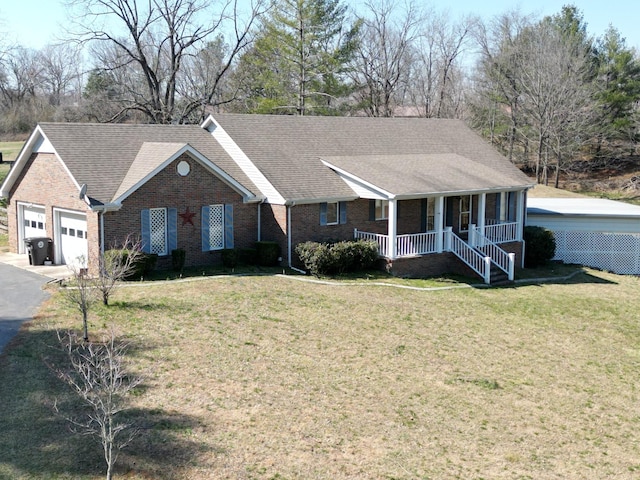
[(10, 150), (263, 377)]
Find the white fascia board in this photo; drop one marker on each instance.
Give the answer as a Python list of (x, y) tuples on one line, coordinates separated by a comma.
[(36, 143), (246, 194), (244, 162), (363, 188)]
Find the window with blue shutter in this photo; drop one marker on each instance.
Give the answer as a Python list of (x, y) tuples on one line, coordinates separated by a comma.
[(158, 229), (217, 227), (333, 213), (145, 223)]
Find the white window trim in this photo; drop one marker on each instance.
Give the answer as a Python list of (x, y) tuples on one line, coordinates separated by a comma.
[(383, 206), (222, 227), (164, 251), (337, 204)]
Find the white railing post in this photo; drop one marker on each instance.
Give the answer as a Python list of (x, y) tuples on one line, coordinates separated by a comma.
[(487, 270), (447, 238), (512, 264), (355, 233), (472, 235)]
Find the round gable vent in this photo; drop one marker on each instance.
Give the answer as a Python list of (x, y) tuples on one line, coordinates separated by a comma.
[(184, 168)]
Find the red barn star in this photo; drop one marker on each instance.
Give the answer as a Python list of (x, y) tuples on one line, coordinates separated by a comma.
[(187, 217)]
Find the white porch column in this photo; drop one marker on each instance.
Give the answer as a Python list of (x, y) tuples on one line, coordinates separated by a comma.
[(393, 228), (520, 212), (482, 212), (439, 223)]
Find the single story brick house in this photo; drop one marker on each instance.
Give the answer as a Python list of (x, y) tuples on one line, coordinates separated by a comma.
[(433, 194)]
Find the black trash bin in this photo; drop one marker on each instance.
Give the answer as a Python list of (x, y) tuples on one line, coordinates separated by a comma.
[(39, 249)]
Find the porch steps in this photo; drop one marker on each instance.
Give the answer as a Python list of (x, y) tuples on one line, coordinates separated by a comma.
[(499, 276)]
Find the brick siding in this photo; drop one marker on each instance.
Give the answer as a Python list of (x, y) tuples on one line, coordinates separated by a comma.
[(168, 189), (44, 182)]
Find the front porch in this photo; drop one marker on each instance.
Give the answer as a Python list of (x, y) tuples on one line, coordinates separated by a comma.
[(499, 220)]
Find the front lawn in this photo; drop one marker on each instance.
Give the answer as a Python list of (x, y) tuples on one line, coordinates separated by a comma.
[(271, 377)]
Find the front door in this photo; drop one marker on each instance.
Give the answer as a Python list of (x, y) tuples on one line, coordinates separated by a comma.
[(459, 213)]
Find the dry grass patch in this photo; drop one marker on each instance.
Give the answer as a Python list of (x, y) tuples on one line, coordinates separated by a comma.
[(267, 377)]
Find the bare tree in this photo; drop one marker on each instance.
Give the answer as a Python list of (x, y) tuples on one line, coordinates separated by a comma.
[(438, 76), (82, 292), (60, 71), (557, 98), (497, 79), (382, 59), (152, 40), (96, 373), (115, 265)]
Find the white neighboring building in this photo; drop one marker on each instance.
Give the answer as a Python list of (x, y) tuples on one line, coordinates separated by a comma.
[(594, 232)]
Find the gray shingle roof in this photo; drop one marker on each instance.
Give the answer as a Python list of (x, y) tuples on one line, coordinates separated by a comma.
[(408, 155), (100, 155)]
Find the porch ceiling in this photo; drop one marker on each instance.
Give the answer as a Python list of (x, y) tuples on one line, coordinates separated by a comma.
[(422, 174)]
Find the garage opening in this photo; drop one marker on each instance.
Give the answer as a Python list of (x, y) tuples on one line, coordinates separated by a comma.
[(32, 220), (71, 238)]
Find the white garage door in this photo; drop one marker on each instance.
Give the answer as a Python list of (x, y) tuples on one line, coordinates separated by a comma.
[(73, 238), (34, 222)]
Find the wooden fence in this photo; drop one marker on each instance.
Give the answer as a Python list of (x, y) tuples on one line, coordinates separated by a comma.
[(4, 225)]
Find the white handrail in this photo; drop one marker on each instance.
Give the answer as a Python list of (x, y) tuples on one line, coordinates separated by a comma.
[(505, 261), (478, 263), (501, 232)]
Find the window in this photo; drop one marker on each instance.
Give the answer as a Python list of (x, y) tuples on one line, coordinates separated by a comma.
[(430, 214), (507, 206), (217, 227), (333, 213), (382, 209), (159, 230), (465, 213)]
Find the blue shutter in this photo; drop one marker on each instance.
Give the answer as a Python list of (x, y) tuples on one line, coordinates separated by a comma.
[(342, 206), (323, 213), (145, 222), (172, 230), (498, 202), (205, 229), (423, 215), (372, 210), (449, 211), (228, 226)]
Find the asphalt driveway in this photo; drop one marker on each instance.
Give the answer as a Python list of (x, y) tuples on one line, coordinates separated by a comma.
[(21, 294)]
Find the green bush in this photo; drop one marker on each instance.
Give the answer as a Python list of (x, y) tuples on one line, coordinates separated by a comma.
[(540, 246), (267, 253), (178, 257), (230, 257), (247, 256), (337, 258)]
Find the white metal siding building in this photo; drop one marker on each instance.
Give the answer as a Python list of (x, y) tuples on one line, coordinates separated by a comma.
[(594, 232)]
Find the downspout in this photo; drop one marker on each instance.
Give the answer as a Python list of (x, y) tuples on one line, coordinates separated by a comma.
[(289, 249), (260, 220)]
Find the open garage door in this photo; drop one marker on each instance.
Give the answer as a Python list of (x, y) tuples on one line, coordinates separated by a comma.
[(33, 223), (71, 238)]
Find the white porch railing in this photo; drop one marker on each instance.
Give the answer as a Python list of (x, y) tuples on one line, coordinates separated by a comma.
[(501, 232), (478, 263), (406, 245), (381, 240), (505, 261)]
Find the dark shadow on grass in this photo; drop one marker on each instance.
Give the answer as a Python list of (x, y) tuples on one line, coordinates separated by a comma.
[(36, 442)]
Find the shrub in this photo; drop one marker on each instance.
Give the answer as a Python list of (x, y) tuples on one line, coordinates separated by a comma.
[(230, 257), (177, 259), (267, 253), (337, 258), (540, 246), (247, 256)]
